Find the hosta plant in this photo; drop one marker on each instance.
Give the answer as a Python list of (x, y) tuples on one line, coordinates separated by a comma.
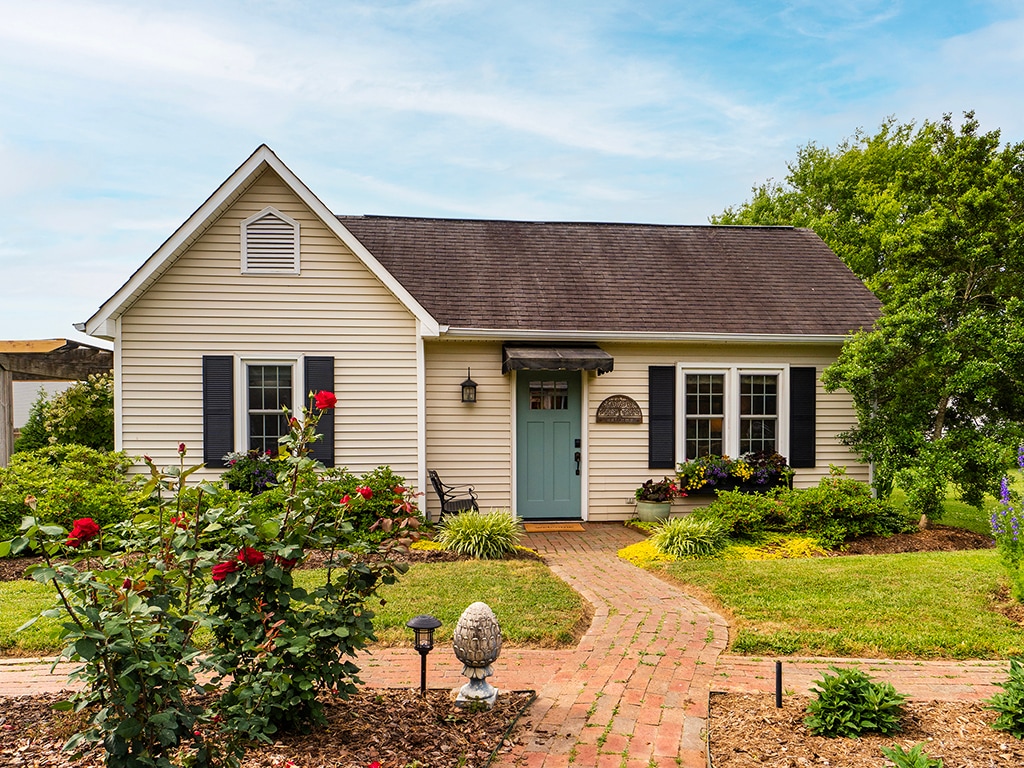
[(848, 704), (483, 535)]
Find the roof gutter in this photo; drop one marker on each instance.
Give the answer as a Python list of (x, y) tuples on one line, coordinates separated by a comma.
[(448, 332)]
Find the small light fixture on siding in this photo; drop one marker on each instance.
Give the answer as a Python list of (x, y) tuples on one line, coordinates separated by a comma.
[(468, 389)]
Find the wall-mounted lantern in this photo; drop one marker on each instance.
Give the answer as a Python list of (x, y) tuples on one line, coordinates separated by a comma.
[(468, 389)]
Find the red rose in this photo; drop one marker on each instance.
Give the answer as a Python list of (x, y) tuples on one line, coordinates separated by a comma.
[(325, 400), (220, 571), (346, 499), (250, 556), (82, 530), (181, 522), (181, 449), (365, 491), (286, 562), (399, 490)]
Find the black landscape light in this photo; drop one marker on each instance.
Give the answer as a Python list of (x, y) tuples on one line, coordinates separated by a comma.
[(424, 626), (468, 389)]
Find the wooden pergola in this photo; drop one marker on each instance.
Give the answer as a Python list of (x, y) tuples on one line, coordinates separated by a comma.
[(42, 360)]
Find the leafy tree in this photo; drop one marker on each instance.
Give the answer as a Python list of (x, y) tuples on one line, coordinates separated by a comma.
[(932, 219), (82, 414)]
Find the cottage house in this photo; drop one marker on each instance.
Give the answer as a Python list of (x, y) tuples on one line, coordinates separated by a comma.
[(602, 354)]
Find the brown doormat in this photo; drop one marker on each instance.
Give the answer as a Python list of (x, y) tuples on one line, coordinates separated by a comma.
[(544, 527)]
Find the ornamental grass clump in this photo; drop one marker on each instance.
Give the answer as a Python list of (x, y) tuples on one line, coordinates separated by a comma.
[(483, 535), (848, 704), (691, 536)]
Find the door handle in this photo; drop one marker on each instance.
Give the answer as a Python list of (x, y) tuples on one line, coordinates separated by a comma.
[(578, 457)]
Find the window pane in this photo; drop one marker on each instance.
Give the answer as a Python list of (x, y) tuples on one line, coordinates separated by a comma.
[(269, 388), (549, 395), (759, 395), (703, 437), (705, 394), (757, 435)]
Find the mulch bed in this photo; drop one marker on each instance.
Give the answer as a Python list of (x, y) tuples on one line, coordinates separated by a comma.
[(395, 727), (936, 538), (747, 731)]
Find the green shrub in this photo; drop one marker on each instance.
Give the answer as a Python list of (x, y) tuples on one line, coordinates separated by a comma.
[(83, 414), (387, 491), (849, 704), (840, 508), (915, 758), (1010, 703), (484, 535), (691, 536), (68, 482), (750, 514)]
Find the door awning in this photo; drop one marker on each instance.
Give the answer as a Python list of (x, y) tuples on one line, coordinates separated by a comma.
[(579, 357)]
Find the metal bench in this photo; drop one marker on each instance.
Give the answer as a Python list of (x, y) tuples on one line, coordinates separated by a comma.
[(452, 500)]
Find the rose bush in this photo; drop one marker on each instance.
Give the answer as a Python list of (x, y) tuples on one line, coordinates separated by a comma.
[(186, 562)]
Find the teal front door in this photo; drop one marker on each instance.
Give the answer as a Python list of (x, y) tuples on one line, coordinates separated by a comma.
[(548, 444)]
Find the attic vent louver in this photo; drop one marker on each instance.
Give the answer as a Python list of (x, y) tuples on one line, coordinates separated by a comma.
[(270, 243)]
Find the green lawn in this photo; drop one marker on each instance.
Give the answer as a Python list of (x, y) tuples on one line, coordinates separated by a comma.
[(920, 605), (533, 606)]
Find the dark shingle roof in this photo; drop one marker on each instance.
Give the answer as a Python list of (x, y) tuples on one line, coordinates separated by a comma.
[(539, 276)]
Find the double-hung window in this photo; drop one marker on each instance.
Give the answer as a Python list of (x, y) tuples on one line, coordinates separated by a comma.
[(243, 396), (733, 411), (268, 388)]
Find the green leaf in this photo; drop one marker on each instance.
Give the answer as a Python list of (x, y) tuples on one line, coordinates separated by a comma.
[(5, 548), (27, 624), (62, 706), (86, 648)]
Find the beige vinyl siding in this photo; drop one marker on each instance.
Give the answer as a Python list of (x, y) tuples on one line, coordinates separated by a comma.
[(473, 443), (469, 443), (204, 305), (618, 452)]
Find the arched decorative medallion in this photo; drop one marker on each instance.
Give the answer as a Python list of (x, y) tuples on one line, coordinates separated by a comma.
[(619, 409)]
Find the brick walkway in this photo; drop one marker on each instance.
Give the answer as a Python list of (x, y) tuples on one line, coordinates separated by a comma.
[(633, 693)]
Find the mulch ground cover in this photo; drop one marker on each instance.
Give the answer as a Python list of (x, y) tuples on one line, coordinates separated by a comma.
[(398, 728), (747, 731)]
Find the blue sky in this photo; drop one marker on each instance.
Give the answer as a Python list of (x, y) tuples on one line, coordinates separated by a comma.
[(118, 119)]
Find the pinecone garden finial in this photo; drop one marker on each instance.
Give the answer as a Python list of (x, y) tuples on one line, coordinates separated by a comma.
[(477, 643)]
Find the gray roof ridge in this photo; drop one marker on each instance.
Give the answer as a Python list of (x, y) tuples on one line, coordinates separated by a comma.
[(541, 222)]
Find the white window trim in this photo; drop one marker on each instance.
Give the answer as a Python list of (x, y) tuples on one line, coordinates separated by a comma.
[(241, 394), (246, 270), (731, 425)]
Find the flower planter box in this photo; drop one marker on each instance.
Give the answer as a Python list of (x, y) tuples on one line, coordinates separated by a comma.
[(736, 485)]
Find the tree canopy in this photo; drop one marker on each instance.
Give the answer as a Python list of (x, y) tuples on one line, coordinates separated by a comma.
[(932, 219)]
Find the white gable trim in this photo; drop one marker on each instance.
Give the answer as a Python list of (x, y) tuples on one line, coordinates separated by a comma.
[(100, 324)]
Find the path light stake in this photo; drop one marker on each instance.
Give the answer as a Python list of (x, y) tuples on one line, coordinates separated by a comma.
[(424, 626), (477, 643), (778, 685)]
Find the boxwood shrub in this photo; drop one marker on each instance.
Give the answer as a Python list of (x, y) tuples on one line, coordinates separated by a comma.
[(68, 482)]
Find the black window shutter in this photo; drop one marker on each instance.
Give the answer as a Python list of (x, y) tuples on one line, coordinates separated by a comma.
[(802, 395), (218, 409), (319, 375), (661, 417)]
